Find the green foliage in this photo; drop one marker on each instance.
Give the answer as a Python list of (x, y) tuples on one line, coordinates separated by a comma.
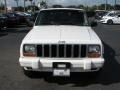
[(32, 7), (57, 6), (80, 6), (71, 6), (117, 7), (2, 6), (43, 4), (20, 8)]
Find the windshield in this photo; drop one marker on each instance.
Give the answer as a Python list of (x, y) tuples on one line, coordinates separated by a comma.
[(111, 14), (61, 17)]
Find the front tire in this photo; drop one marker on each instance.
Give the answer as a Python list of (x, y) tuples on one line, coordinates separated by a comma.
[(110, 22)]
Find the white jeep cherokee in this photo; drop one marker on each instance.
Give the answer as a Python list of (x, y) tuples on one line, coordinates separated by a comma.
[(61, 42)]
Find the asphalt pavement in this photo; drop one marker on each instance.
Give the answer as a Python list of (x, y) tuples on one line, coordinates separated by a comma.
[(12, 77)]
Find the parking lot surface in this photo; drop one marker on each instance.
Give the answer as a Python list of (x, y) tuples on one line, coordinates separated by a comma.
[(12, 77)]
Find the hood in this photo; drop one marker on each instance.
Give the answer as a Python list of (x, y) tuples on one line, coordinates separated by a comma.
[(106, 17), (54, 34)]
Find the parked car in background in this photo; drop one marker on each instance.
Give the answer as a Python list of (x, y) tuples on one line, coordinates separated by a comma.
[(111, 19), (25, 18), (99, 14), (31, 19), (22, 17), (12, 19), (27, 14), (3, 21), (17, 18), (107, 18)]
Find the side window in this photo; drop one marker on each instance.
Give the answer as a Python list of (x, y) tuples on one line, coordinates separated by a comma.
[(111, 14), (118, 15)]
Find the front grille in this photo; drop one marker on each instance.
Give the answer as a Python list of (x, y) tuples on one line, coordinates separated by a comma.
[(61, 51)]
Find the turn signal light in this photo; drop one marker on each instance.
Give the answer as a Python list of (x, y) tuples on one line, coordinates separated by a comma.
[(94, 55), (29, 54)]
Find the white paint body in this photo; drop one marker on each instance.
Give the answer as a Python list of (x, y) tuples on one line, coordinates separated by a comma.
[(52, 34), (115, 19)]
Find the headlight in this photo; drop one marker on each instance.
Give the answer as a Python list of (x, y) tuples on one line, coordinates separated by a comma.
[(29, 50), (105, 18), (94, 51)]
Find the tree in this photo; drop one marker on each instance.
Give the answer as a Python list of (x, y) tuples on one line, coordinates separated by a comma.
[(80, 6), (16, 2), (108, 7), (5, 6), (43, 4), (2, 6), (24, 5), (117, 7), (31, 2), (31, 5), (57, 6), (20, 8), (71, 6)]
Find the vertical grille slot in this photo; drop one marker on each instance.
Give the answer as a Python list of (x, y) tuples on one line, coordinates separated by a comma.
[(53, 50), (68, 51), (46, 51), (76, 51), (83, 50), (61, 50), (39, 50)]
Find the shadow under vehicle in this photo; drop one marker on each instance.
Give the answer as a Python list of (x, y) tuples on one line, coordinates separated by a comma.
[(110, 73)]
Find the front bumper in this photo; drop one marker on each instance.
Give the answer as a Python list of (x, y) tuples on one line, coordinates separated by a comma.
[(46, 64), (103, 21)]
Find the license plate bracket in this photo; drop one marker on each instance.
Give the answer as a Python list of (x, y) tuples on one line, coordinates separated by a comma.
[(61, 65), (61, 69)]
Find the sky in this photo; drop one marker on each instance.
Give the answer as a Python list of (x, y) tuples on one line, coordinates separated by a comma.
[(64, 2)]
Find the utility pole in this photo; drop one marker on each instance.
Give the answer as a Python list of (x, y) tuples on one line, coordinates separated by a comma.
[(105, 5), (115, 4), (85, 5), (34, 5), (5, 6), (24, 5), (31, 5), (0, 2), (98, 5), (17, 3)]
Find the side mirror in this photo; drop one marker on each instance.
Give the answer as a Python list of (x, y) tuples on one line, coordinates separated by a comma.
[(94, 24)]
